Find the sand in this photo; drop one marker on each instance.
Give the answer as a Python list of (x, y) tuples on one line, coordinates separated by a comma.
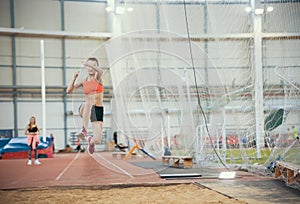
[(183, 193)]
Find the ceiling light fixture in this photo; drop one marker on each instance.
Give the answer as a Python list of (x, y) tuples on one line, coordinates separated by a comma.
[(248, 9), (120, 10), (259, 11), (270, 9), (130, 9), (109, 9)]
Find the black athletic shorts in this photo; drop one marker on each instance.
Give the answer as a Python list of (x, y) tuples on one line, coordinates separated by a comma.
[(97, 113)]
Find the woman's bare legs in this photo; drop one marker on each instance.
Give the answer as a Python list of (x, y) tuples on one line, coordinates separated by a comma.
[(96, 139), (84, 112), (81, 107), (97, 129)]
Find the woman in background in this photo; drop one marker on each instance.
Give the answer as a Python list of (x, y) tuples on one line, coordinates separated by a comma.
[(32, 131)]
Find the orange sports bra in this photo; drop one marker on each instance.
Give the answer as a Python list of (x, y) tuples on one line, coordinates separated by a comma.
[(92, 87)]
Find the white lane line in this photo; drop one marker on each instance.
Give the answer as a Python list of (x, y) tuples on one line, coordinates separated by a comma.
[(122, 170), (65, 169)]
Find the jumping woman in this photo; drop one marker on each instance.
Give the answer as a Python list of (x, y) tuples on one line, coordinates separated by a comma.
[(32, 131), (92, 108)]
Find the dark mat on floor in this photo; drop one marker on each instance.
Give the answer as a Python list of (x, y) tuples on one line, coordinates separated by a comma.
[(269, 191), (160, 169)]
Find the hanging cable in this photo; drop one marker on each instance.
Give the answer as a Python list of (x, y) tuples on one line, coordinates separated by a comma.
[(196, 84)]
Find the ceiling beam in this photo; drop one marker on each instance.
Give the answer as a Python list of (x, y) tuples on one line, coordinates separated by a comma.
[(54, 34)]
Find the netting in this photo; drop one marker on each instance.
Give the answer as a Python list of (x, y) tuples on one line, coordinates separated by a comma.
[(152, 101), (282, 140), (185, 78)]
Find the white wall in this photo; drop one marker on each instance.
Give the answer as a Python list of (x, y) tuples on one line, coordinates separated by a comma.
[(173, 19), (7, 117), (4, 13), (225, 19), (41, 15), (284, 18), (142, 18), (85, 17)]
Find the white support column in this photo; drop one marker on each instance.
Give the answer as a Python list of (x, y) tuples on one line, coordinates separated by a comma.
[(114, 17), (43, 89), (258, 84)]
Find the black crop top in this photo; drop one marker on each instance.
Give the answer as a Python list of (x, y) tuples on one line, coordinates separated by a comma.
[(33, 129)]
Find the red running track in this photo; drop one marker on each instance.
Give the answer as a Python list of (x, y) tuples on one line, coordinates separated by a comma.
[(84, 170), (71, 170)]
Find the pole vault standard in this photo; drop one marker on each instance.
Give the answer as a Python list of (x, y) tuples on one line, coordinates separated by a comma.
[(140, 149), (43, 89)]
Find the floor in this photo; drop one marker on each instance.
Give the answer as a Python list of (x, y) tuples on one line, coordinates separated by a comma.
[(102, 171)]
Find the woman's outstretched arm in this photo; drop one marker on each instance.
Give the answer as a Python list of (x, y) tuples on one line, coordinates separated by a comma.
[(73, 85)]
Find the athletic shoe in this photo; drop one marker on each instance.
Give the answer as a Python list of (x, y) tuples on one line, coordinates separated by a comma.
[(91, 147), (37, 162), (82, 135), (29, 162)]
